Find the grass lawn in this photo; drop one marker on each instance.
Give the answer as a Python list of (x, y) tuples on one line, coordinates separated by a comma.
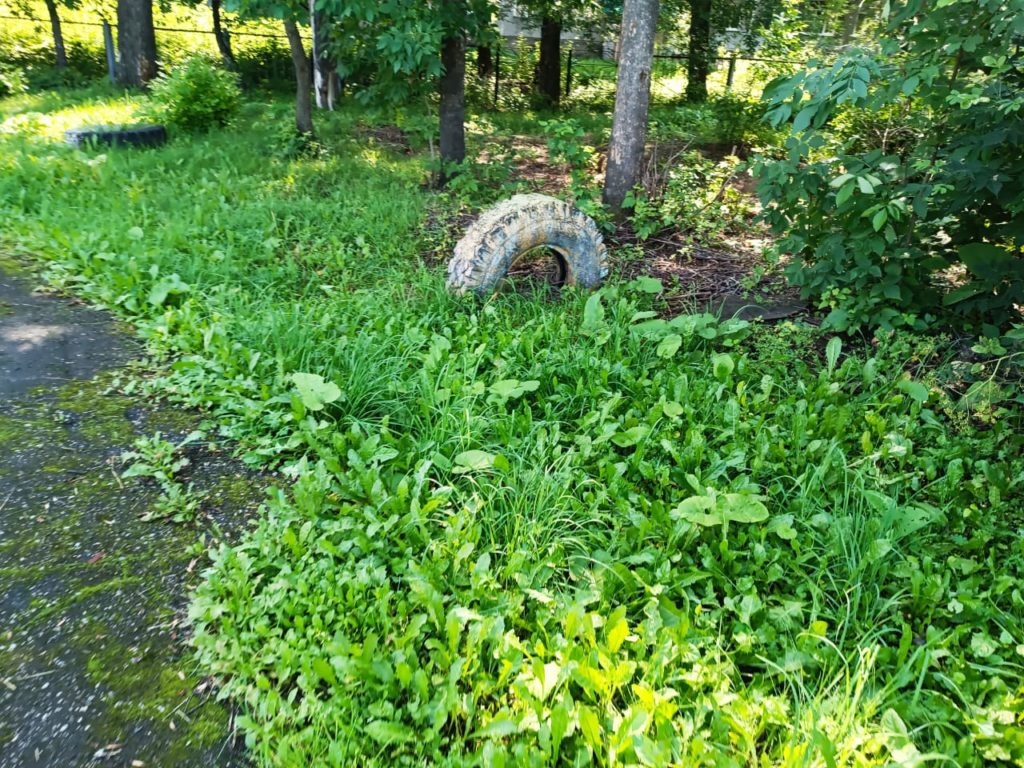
[(532, 532)]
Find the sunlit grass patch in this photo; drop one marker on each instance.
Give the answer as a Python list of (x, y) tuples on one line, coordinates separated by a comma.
[(39, 116)]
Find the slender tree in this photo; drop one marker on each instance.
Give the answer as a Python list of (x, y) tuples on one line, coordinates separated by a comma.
[(303, 79), (453, 104), (699, 60), (632, 98), (136, 42), (325, 75), (554, 17), (484, 60), (58, 34), (220, 35), (549, 65)]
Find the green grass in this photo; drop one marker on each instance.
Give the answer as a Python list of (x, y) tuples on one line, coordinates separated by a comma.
[(525, 532)]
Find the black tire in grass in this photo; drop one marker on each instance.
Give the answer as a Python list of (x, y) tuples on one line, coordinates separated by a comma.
[(522, 225), (142, 135)]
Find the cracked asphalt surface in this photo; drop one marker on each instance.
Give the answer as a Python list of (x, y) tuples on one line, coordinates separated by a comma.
[(94, 670)]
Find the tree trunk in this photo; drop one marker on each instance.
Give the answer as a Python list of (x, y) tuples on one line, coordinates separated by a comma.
[(632, 97), (136, 42), (453, 105), (700, 51), (851, 21), (303, 79), (549, 68), (484, 60), (58, 34), (325, 76), (223, 43)]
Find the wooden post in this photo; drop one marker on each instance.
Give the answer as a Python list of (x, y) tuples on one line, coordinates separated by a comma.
[(497, 73), (108, 45), (568, 72)]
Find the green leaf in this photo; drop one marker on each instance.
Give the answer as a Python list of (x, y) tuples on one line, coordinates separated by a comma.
[(700, 510), (323, 668), (722, 366), (803, 118), (669, 345), (646, 284), (617, 630), (385, 732), (510, 389), (630, 437), (593, 314), (832, 352), (837, 319), (782, 526), (865, 186), (590, 726), (314, 390), (879, 219), (672, 409), (498, 728), (844, 194), (468, 461), (987, 261), (917, 391), (742, 508)]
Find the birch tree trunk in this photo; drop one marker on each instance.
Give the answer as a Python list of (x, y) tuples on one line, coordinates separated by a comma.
[(632, 97), (325, 78)]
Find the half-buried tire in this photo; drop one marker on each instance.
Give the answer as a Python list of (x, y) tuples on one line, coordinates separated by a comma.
[(142, 135), (522, 225)]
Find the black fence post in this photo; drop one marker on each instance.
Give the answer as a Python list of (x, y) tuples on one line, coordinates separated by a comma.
[(108, 46), (731, 74), (568, 72)]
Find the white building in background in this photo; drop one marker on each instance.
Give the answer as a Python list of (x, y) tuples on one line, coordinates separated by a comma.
[(512, 25)]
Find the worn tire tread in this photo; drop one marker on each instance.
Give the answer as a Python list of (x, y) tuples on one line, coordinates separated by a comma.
[(502, 234)]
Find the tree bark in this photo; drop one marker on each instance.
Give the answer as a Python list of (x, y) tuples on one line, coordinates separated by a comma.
[(632, 97), (223, 43), (303, 79), (851, 21), (136, 42), (58, 35), (699, 63), (325, 76), (453, 105), (549, 67), (484, 60)]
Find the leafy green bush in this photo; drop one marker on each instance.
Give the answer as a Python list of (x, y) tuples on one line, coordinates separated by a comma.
[(196, 95), (566, 146), (899, 233), (724, 120), (12, 81), (697, 197)]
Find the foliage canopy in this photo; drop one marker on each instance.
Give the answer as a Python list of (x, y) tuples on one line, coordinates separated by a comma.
[(923, 220)]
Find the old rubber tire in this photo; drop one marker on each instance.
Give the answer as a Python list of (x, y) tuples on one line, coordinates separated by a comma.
[(521, 224), (141, 135)]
